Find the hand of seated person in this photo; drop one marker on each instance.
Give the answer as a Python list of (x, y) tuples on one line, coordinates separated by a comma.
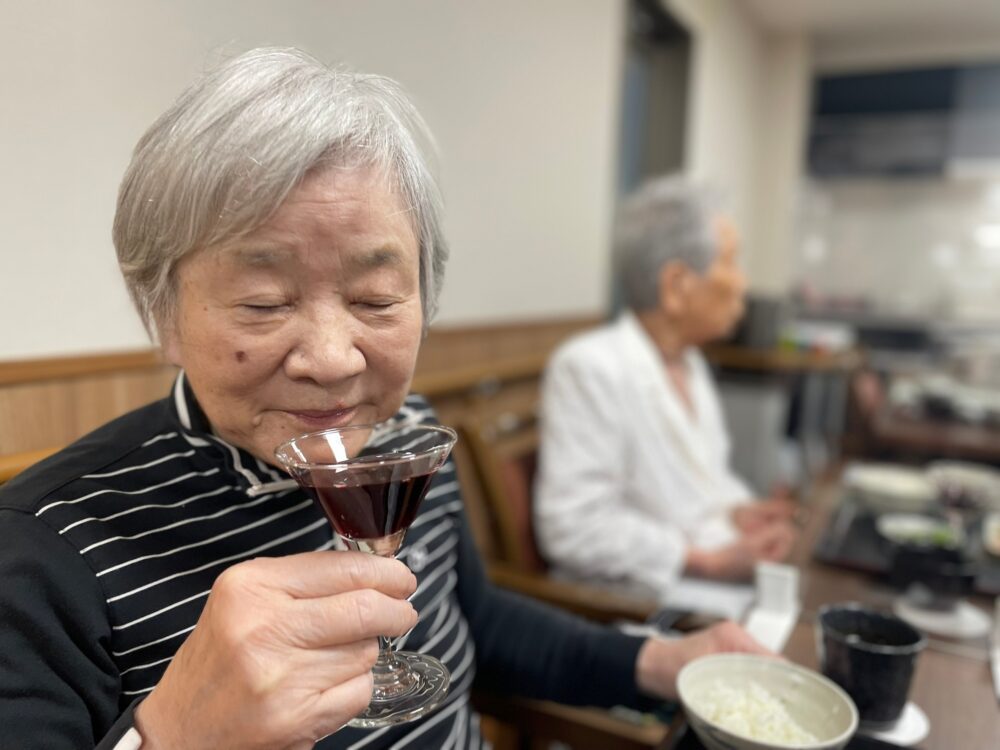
[(771, 543), (282, 653), (660, 660), (754, 515)]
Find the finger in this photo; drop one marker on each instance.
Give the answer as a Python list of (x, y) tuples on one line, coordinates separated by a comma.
[(318, 669), (338, 705), (779, 548), (318, 574), (734, 637), (750, 645), (350, 617)]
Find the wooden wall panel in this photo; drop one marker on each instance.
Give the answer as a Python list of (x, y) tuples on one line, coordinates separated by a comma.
[(50, 403), (35, 416), (450, 347), (99, 398), (52, 413)]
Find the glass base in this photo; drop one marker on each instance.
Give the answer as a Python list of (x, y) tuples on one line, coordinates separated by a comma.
[(411, 687)]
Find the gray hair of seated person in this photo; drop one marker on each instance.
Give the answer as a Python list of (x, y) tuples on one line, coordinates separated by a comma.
[(667, 219), (218, 163)]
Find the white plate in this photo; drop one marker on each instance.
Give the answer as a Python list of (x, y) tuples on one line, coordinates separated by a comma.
[(914, 528), (991, 534), (982, 483), (912, 727), (888, 487), (964, 621)]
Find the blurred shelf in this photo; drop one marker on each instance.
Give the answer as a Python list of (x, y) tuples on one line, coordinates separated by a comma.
[(783, 361)]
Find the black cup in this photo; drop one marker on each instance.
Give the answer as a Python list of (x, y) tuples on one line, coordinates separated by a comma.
[(936, 578), (872, 656)]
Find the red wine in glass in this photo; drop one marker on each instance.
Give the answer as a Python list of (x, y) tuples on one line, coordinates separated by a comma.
[(374, 510), (371, 497)]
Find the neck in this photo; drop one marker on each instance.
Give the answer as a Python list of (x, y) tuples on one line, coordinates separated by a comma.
[(668, 340)]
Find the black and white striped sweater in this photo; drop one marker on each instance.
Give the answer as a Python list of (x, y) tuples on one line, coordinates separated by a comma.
[(109, 550)]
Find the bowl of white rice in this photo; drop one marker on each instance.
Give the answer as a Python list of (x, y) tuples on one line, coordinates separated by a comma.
[(748, 702)]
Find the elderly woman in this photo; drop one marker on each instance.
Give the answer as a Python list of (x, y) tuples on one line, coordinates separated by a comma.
[(634, 480), (164, 584)]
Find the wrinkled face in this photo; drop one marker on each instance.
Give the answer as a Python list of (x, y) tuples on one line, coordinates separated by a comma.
[(716, 299), (311, 322)]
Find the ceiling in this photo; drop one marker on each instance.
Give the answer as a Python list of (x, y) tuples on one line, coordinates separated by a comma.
[(834, 18)]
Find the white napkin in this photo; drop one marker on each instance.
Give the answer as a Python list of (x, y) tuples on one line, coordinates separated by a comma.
[(777, 608)]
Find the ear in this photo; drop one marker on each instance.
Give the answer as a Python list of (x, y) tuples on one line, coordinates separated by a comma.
[(675, 281), (170, 343)]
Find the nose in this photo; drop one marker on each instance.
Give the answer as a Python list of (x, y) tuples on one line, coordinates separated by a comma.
[(327, 348)]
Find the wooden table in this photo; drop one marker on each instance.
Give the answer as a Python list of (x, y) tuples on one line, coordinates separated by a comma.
[(931, 439), (782, 361), (955, 691)]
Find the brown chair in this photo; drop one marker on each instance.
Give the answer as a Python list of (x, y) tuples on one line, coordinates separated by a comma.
[(496, 458), (14, 463), (502, 435), (499, 435)]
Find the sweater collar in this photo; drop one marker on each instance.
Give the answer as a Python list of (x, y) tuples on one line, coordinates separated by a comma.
[(253, 475)]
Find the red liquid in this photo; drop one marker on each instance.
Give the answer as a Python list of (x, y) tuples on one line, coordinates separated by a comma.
[(372, 511)]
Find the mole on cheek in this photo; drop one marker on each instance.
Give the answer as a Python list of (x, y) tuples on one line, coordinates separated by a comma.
[(241, 356)]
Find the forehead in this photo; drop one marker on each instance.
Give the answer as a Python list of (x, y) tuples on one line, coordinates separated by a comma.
[(339, 209), (355, 198)]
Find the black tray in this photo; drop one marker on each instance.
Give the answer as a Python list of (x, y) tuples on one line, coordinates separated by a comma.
[(850, 540), (686, 739)]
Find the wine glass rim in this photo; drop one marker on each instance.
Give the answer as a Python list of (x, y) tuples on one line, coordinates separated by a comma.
[(375, 459)]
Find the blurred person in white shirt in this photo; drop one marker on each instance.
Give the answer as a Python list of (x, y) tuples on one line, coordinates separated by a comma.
[(634, 481)]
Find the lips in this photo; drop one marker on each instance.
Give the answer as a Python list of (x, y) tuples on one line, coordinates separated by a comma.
[(323, 419)]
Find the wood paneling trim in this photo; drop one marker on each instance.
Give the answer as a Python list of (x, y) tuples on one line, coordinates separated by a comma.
[(61, 368), (473, 345), (52, 402), (485, 376), (781, 360)]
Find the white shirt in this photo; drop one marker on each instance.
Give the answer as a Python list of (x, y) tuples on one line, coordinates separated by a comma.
[(628, 477)]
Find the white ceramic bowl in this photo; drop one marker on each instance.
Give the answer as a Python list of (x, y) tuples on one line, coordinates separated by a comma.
[(981, 483), (813, 702), (888, 488), (917, 530), (991, 538)]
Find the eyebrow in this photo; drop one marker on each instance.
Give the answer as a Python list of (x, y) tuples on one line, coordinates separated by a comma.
[(260, 257), (378, 258)]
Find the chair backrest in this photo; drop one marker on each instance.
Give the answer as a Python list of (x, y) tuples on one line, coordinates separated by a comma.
[(502, 437), (14, 463)]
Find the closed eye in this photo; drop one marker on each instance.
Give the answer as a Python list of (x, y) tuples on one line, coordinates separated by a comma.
[(264, 308), (378, 304)]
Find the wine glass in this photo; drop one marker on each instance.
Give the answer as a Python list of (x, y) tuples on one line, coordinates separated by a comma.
[(370, 481)]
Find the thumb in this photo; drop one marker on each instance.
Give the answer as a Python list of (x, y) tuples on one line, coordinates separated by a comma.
[(339, 704)]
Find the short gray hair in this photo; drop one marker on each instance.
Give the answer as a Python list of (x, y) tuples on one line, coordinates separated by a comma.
[(666, 219), (218, 163)]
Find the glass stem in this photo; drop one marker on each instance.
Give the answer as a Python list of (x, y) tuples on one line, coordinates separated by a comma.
[(392, 678), (385, 652)]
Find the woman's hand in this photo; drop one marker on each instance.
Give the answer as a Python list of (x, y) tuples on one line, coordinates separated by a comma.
[(736, 561), (757, 514), (281, 655), (661, 660)]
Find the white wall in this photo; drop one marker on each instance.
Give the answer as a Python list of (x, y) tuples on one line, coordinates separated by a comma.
[(935, 238), (523, 97), (915, 249), (785, 99), (746, 121)]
